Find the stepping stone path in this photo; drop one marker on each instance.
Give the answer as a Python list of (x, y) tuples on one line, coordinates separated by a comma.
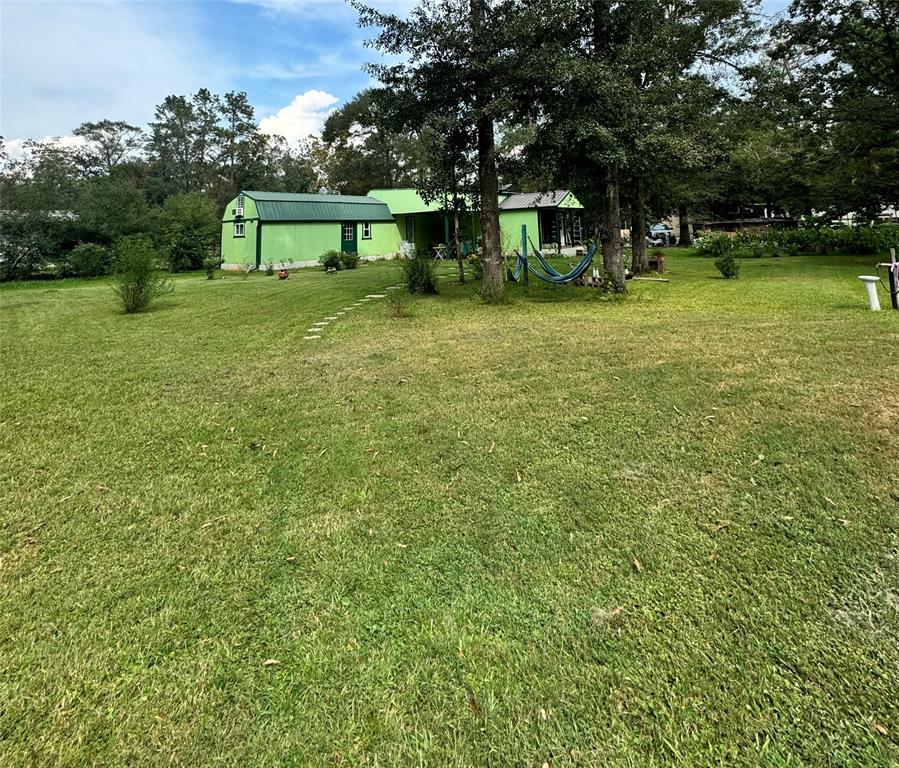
[(317, 328)]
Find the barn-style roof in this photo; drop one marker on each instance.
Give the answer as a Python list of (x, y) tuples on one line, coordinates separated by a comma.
[(286, 206)]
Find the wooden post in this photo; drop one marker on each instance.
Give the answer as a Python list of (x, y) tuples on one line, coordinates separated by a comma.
[(524, 255), (894, 279)]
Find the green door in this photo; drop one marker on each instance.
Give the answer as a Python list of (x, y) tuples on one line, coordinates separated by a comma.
[(348, 237)]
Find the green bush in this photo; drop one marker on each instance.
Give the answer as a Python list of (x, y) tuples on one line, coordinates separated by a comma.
[(349, 259), (187, 251), (419, 274), (330, 260), (473, 262), (270, 268), (727, 265), (138, 277), (211, 263), (87, 260)]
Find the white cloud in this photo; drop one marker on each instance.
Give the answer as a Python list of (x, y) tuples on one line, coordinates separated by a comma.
[(303, 117), (16, 150), (66, 62)]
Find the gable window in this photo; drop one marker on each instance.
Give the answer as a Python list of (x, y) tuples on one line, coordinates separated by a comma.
[(366, 230), (238, 229), (348, 232), (410, 229), (240, 205)]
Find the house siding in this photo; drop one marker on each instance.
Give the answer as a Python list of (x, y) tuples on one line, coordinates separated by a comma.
[(510, 228)]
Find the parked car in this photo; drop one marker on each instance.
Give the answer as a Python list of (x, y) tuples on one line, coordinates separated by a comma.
[(661, 234)]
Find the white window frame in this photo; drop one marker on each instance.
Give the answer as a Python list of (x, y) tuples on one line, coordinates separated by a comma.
[(344, 228), (366, 230), (239, 229)]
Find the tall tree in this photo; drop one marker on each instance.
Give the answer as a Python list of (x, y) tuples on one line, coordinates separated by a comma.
[(847, 89), (453, 60), (109, 142)]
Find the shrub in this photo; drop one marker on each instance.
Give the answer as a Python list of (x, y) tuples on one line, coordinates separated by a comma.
[(330, 260), (211, 263), (349, 259), (186, 251), (419, 273), (399, 301), (473, 261), (138, 277), (87, 260), (727, 265), (270, 268)]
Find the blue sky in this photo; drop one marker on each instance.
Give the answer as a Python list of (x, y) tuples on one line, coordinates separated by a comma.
[(65, 62)]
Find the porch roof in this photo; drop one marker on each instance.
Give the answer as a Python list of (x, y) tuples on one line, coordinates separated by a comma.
[(518, 201)]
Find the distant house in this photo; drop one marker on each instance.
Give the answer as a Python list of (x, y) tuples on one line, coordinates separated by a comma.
[(552, 218), (295, 229)]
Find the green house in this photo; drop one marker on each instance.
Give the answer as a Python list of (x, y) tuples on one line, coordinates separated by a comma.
[(552, 218), (295, 229), (424, 224)]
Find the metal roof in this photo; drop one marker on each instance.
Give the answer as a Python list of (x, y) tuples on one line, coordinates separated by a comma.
[(402, 201), (286, 206), (522, 200)]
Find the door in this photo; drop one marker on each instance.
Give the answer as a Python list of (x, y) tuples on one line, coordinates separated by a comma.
[(348, 237)]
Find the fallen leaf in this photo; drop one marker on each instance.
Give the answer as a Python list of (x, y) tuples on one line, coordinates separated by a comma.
[(881, 729), (638, 566), (830, 501), (473, 706), (271, 663), (722, 525), (492, 446), (846, 523), (518, 475)]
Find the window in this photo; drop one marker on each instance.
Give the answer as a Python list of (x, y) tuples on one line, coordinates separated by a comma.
[(410, 229), (366, 230), (349, 232), (239, 210), (238, 229)]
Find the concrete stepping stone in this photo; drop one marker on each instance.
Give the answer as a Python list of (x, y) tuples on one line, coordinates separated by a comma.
[(321, 324), (375, 296), (307, 338), (332, 317)]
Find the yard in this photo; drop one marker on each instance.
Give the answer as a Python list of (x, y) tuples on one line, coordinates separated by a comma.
[(564, 531)]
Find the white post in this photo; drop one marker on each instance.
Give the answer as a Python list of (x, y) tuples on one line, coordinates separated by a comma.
[(871, 282)]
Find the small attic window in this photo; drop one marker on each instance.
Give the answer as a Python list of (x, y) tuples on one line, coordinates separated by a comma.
[(240, 205)]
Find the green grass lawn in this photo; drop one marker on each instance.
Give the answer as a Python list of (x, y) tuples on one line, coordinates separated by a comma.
[(567, 530)]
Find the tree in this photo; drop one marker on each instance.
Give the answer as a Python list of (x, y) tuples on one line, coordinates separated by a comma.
[(366, 149), (111, 208), (109, 142), (847, 90), (439, 75), (187, 228)]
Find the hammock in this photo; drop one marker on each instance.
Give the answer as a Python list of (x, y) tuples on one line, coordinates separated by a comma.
[(579, 270)]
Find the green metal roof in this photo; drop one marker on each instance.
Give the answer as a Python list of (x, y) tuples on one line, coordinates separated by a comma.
[(402, 201), (286, 206)]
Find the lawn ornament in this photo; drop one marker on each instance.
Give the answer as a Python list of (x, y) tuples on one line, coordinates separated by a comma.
[(871, 282), (283, 274)]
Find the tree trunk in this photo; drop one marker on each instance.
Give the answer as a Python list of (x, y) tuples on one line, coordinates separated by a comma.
[(686, 237), (612, 247), (488, 181), (457, 244), (639, 259)]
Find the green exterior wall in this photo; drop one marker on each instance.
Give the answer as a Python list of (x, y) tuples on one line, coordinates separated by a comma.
[(385, 239), (239, 250), (510, 228)]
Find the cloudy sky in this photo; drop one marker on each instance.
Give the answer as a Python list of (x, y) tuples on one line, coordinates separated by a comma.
[(66, 61)]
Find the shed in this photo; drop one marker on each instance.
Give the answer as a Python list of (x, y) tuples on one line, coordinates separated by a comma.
[(554, 216), (295, 229)]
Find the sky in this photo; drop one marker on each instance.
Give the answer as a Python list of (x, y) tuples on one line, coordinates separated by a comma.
[(63, 62)]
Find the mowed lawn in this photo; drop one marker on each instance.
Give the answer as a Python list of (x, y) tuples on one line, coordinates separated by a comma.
[(564, 531)]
